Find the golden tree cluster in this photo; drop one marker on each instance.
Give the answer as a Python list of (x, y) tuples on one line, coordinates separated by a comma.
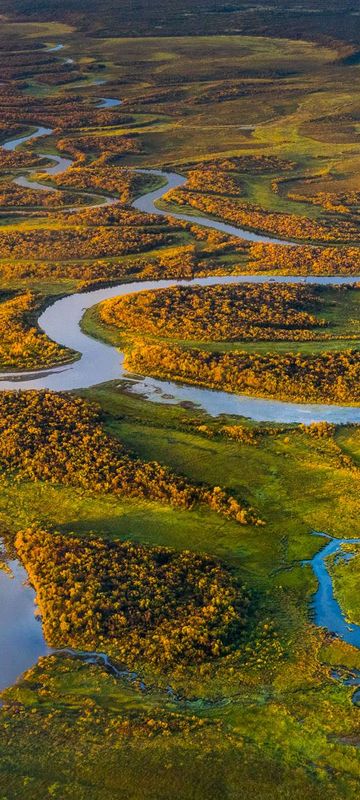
[(22, 345), (219, 313), (134, 602), (58, 438)]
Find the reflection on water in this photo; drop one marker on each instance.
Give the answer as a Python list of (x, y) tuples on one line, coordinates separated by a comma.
[(21, 637)]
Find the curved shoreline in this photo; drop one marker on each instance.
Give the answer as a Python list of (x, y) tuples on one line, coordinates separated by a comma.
[(109, 102), (60, 165), (147, 204), (22, 641), (101, 362), (12, 144), (21, 637), (327, 610)]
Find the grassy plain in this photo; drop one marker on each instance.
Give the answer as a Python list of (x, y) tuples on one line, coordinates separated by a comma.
[(276, 723), (285, 704)]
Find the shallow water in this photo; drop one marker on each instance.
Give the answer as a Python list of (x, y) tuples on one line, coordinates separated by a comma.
[(21, 637), (109, 102), (60, 164), (327, 610), (55, 48), (146, 203), (100, 362)]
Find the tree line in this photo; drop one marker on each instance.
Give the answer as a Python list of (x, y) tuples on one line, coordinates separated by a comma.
[(59, 438), (322, 377)]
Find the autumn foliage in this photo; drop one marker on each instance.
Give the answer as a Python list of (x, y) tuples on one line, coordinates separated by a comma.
[(125, 184), (246, 215), (322, 377), (57, 438), (22, 345), (78, 242), (303, 260), (132, 601), (219, 313)]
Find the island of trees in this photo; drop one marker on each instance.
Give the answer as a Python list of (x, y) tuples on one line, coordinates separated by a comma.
[(133, 601)]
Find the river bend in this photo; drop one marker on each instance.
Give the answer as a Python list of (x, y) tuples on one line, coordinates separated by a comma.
[(21, 638), (100, 362)]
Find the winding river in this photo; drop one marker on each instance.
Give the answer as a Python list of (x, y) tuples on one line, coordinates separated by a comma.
[(60, 164), (21, 638), (147, 204), (100, 362)]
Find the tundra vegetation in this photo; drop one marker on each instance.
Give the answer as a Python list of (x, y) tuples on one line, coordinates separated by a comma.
[(175, 542), (45, 436), (225, 318), (291, 376), (155, 604)]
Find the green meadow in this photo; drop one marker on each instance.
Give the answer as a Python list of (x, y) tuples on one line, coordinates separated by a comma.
[(271, 720)]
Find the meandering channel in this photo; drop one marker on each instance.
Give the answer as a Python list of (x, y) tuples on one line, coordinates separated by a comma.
[(60, 164), (21, 637), (327, 610), (100, 362), (147, 204)]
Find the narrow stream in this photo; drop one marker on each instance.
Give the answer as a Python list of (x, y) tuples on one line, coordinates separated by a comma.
[(55, 48), (60, 165), (22, 641), (327, 610), (14, 143), (99, 362), (147, 204), (21, 638)]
